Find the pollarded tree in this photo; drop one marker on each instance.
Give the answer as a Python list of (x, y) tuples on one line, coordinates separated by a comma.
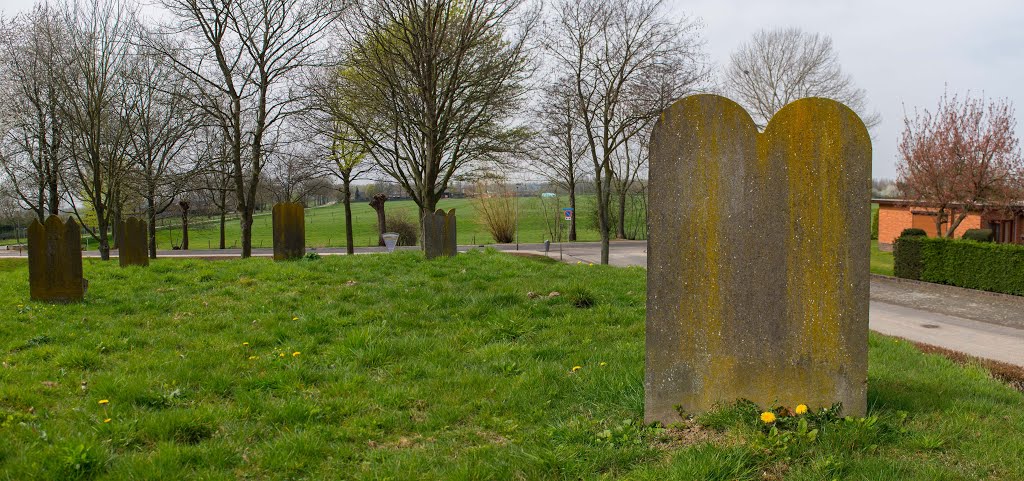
[(779, 66), (963, 157), (432, 86)]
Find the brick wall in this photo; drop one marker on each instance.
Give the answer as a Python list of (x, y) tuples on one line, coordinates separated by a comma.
[(893, 219)]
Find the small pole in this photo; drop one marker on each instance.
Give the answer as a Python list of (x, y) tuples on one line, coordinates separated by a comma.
[(517, 216)]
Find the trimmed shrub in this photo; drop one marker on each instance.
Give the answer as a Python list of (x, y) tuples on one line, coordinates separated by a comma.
[(978, 235), (913, 231), (975, 265)]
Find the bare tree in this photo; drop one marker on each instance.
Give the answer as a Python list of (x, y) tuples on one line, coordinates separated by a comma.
[(242, 57), (347, 161), (559, 153), (164, 123), (31, 154), (628, 161), (95, 110), (430, 88), (617, 53), (214, 183), (779, 66), (962, 158)]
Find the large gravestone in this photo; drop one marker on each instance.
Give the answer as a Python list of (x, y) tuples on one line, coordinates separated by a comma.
[(289, 231), (132, 250), (55, 261), (439, 234), (757, 278)]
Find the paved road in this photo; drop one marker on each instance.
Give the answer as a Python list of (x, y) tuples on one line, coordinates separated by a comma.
[(976, 323), (980, 324)]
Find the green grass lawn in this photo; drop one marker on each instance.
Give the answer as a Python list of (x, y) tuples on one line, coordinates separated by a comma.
[(325, 226), (392, 367), (881, 262)]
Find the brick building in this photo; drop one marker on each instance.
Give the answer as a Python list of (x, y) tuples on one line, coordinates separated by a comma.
[(894, 215)]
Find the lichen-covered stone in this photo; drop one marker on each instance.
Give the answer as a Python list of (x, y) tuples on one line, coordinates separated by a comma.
[(132, 243), (289, 219), (55, 261), (439, 234), (758, 258)]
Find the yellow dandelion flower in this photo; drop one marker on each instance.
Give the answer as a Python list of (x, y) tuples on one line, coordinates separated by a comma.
[(295, 318), (768, 417), (591, 264), (106, 420), (576, 368), (280, 355), (801, 409), (246, 344), (296, 354), (104, 401), (603, 364)]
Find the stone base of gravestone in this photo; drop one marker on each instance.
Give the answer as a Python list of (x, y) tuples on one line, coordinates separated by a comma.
[(757, 278), (133, 237), (55, 261), (289, 219), (439, 234)]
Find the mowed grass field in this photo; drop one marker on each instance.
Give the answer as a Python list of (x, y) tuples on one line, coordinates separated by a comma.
[(393, 367), (325, 226)]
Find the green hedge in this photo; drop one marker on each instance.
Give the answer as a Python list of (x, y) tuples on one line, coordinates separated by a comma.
[(975, 265), (979, 235), (874, 224)]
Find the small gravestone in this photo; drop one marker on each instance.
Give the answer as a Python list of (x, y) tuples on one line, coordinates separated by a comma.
[(55, 261), (439, 234), (133, 246), (289, 231), (757, 278)]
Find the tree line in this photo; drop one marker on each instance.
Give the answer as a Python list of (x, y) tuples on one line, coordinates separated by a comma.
[(110, 111)]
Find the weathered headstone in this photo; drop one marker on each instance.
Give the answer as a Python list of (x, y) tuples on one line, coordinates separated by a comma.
[(133, 243), (55, 261), (439, 234), (289, 231), (757, 281)]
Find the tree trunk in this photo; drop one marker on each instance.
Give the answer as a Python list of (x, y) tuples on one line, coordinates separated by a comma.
[(620, 231), (223, 223), (184, 224), (223, 206), (572, 221), (246, 220), (151, 217), (604, 202), (349, 248), (103, 241)]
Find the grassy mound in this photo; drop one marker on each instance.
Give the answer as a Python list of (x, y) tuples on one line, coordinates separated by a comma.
[(392, 367)]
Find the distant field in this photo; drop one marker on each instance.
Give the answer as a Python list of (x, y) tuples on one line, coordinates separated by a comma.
[(325, 226)]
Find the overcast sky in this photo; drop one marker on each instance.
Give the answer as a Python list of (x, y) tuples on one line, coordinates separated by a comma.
[(903, 52)]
